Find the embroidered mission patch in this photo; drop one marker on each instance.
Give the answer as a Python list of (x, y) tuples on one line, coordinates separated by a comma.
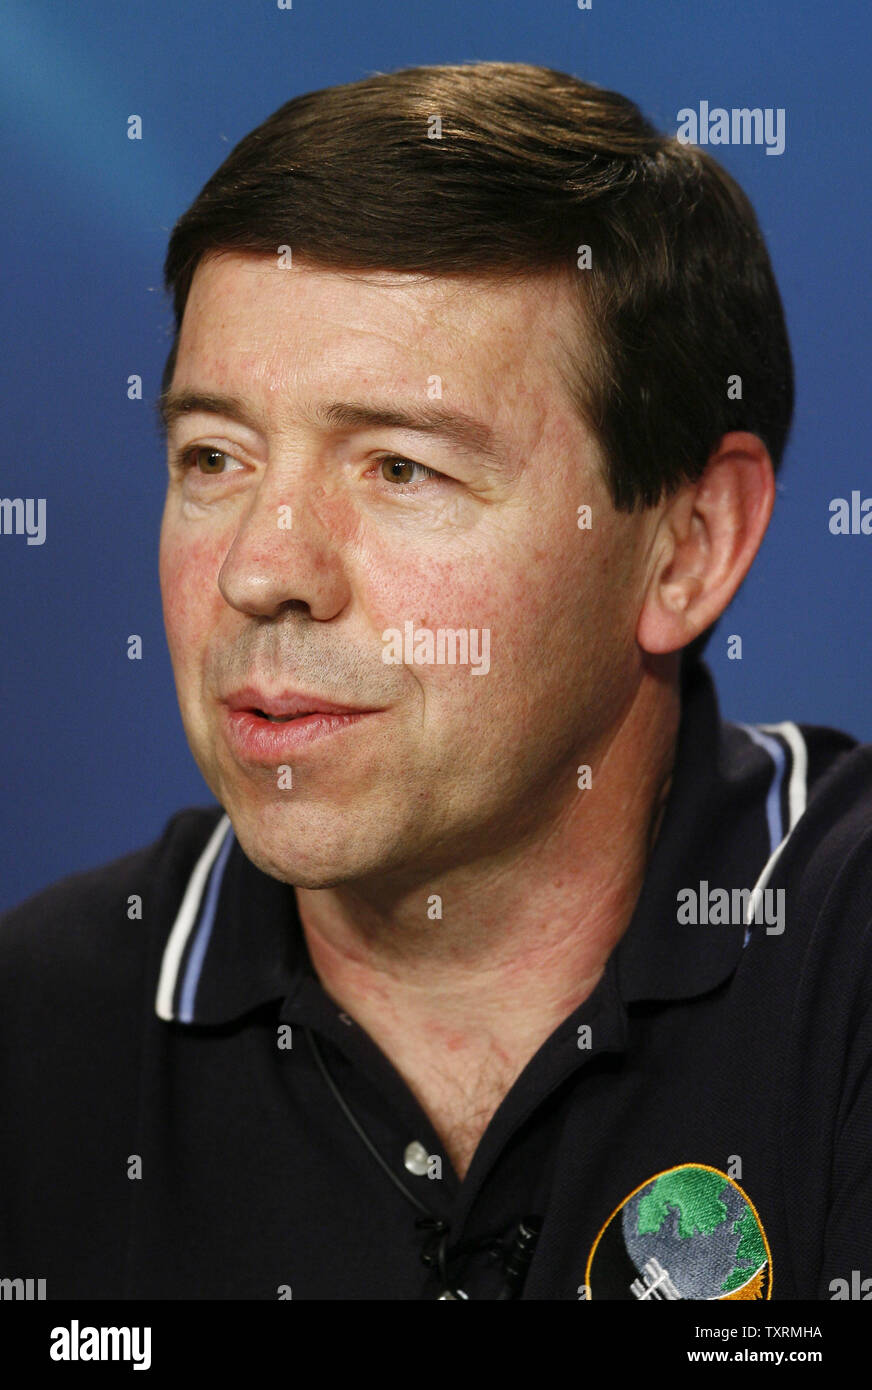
[(689, 1232)]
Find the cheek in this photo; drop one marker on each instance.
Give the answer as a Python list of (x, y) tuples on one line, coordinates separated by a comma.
[(190, 593), (549, 598), (430, 590), (502, 598)]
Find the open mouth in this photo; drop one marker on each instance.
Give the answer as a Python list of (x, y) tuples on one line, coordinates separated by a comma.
[(283, 718), (257, 736)]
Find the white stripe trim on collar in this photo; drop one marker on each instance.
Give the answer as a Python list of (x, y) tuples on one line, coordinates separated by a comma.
[(186, 917), (797, 796), (797, 791)]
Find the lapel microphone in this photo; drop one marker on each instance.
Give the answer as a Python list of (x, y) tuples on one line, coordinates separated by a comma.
[(520, 1256)]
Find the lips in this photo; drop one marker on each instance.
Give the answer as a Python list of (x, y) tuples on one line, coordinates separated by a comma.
[(263, 730), (291, 704)]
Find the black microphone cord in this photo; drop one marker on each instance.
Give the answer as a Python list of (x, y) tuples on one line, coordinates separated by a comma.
[(522, 1249), (359, 1130)]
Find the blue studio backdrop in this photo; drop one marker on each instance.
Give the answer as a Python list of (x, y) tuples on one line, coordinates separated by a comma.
[(94, 755)]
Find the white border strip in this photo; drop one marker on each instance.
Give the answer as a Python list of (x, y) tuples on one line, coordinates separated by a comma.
[(798, 786), (797, 798), (185, 919)]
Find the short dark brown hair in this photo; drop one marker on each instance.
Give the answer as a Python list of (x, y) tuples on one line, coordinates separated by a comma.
[(529, 165)]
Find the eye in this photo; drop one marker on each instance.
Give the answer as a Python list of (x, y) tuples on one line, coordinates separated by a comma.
[(208, 461), (396, 469)]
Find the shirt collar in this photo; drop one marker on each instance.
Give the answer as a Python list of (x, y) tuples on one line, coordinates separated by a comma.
[(718, 828), (237, 943)]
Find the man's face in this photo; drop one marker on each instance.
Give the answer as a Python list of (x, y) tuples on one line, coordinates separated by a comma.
[(292, 543)]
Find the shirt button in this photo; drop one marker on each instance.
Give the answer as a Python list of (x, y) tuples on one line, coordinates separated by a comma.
[(416, 1158)]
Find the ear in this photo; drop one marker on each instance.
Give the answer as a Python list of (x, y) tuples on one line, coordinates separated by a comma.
[(705, 541)]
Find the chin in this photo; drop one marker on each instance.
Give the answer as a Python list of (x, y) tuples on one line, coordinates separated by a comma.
[(301, 857)]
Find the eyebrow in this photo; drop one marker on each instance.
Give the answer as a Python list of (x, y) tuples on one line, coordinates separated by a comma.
[(464, 431)]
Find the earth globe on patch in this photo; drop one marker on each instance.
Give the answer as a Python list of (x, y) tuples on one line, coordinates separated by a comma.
[(687, 1233)]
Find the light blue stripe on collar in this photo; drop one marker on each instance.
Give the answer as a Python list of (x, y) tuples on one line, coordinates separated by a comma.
[(187, 919), (797, 795)]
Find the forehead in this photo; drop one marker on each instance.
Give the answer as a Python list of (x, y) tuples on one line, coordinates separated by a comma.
[(248, 317)]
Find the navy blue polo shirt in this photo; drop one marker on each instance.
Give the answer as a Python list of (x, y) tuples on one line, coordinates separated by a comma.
[(188, 1115)]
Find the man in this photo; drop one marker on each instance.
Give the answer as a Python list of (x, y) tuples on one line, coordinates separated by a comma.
[(504, 967)]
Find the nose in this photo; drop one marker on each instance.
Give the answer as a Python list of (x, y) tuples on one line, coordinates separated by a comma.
[(283, 552)]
